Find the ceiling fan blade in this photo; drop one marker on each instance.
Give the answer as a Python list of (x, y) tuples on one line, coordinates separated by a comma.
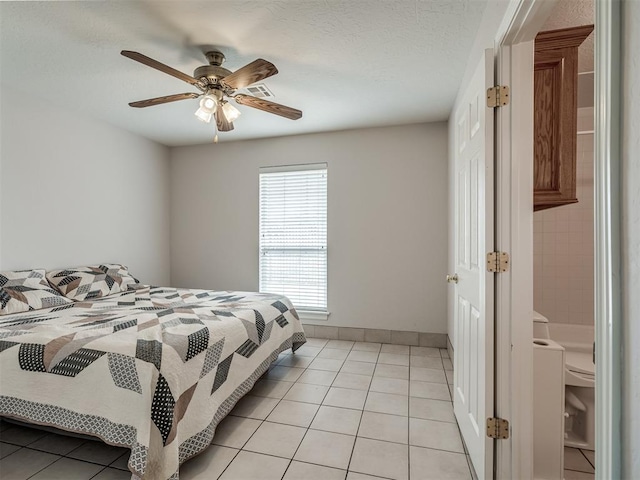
[(222, 123), (150, 62), (255, 71), (160, 100), (267, 106)]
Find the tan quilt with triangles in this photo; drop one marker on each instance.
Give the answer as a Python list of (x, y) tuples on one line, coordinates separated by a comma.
[(153, 369)]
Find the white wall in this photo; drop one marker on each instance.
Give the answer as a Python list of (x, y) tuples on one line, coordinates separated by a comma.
[(563, 250), (77, 191), (630, 257), (387, 220)]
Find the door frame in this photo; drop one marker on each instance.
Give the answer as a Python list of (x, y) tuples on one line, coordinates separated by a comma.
[(514, 224)]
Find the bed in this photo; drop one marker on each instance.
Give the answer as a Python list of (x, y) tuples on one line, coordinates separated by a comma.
[(152, 369)]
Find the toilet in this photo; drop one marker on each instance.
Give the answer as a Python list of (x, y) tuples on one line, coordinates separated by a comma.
[(579, 375)]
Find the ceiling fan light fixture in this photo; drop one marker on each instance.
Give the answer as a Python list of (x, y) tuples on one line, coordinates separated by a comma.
[(208, 105), (231, 112)]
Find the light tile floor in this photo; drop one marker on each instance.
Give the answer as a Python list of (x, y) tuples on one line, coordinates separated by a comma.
[(334, 410), (579, 464)]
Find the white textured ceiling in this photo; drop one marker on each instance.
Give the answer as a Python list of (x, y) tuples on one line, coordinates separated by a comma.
[(574, 13), (346, 64)]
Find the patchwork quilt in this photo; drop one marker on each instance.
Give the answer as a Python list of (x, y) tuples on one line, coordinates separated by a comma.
[(153, 369)]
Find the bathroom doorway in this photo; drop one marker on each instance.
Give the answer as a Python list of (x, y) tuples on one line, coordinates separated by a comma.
[(514, 221), (563, 231)]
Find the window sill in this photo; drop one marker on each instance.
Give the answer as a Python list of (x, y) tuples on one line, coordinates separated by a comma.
[(313, 315)]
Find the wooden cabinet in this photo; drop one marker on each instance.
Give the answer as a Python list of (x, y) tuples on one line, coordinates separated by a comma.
[(555, 116)]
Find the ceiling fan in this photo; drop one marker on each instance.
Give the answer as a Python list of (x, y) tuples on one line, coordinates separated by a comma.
[(216, 84)]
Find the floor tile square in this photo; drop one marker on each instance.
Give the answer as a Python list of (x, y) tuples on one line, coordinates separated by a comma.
[(393, 358), (425, 352), (271, 388), (345, 398), (207, 465), (448, 364), (426, 362), (352, 380), (122, 462), (342, 344), (574, 460), (57, 444), (433, 434), (67, 468), (304, 392), (575, 475), (284, 374), (392, 371), (4, 425), (363, 356), (307, 471), (276, 439), (316, 342), (333, 353), (249, 465), (293, 413), (367, 347), (26, 462), (337, 420), (299, 361), (591, 456), (326, 448), (429, 409), (19, 435), (435, 391), (97, 452), (428, 464), (432, 375), (328, 364), (381, 426), (254, 407), (360, 368), (385, 459), (444, 353), (396, 349), (235, 431), (387, 403), (8, 449), (318, 377), (390, 385), (308, 351)]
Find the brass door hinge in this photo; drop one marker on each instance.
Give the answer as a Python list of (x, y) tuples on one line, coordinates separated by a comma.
[(497, 262), (497, 96), (497, 428)]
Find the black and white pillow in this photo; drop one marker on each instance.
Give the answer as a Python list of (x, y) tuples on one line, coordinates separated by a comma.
[(26, 290), (87, 283)]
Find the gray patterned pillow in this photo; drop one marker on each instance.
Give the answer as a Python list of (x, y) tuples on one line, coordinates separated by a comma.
[(87, 283), (27, 290)]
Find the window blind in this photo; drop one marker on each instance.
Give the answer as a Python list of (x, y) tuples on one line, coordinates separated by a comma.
[(293, 234)]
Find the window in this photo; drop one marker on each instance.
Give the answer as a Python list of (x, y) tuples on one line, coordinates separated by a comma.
[(293, 234)]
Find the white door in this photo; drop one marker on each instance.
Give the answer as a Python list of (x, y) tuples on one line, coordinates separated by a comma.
[(473, 307)]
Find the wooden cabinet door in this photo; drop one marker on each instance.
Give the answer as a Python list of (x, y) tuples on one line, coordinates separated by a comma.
[(555, 116)]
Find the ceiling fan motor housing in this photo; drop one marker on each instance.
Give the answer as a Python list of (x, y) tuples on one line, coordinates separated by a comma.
[(212, 74)]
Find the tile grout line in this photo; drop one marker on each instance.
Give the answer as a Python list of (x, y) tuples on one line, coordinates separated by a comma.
[(585, 456), (353, 449), (314, 416)]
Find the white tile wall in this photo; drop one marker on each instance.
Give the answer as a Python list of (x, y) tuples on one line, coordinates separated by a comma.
[(563, 254)]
